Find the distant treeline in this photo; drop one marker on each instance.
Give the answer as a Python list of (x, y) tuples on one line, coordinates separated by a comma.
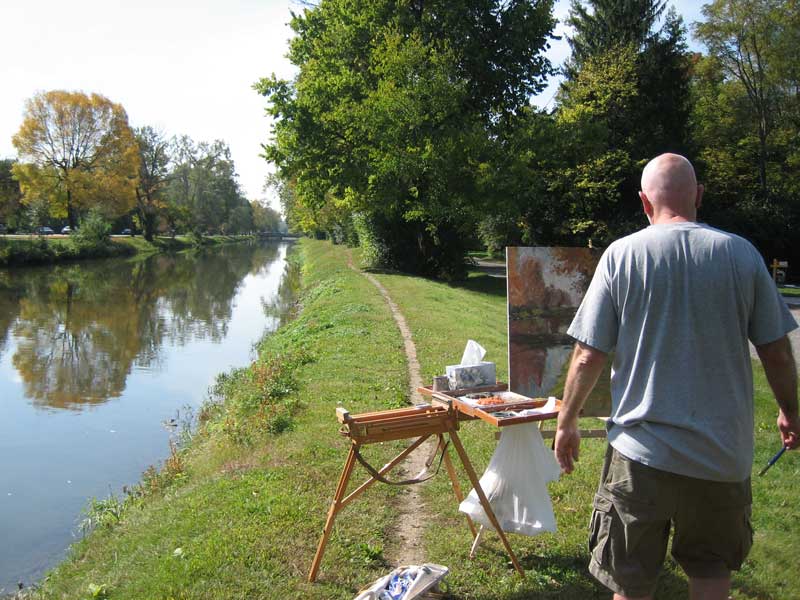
[(78, 154), (410, 129)]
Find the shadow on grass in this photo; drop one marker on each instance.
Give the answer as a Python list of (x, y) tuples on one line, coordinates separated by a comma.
[(482, 283), (567, 578)]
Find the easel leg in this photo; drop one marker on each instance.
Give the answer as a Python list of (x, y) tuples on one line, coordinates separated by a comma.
[(451, 471), (335, 507), (487, 508)]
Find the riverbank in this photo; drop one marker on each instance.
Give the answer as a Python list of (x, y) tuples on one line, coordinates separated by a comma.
[(238, 511), (15, 251)]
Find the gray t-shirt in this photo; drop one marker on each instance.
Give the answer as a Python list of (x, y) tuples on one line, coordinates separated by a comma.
[(677, 303)]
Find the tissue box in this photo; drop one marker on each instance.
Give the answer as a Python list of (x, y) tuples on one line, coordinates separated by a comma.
[(469, 376)]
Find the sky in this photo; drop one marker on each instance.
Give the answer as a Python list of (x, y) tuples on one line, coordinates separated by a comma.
[(186, 67)]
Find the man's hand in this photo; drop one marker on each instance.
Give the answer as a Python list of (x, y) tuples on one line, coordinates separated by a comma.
[(781, 371), (568, 442), (584, 369), (790, 430)]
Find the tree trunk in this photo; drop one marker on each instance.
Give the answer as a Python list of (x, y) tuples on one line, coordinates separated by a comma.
[(762, 155), (70, 212)]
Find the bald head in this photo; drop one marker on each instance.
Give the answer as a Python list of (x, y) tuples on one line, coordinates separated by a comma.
[(669, 189)]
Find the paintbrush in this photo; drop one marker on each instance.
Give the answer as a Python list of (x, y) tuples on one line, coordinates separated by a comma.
[(773, 460)]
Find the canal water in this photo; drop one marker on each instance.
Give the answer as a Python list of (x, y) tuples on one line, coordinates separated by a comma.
[(96, 359)]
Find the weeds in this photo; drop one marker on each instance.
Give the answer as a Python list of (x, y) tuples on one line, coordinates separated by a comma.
[(253, 400), (102, 513)]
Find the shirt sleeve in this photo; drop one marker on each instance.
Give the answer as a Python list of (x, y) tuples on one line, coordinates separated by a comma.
[(596, 323), (770, 318)]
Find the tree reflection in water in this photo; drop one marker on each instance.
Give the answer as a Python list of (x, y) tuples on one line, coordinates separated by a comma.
[(79, 329)]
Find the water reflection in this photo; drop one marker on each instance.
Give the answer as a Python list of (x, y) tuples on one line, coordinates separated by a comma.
[(80, 329)]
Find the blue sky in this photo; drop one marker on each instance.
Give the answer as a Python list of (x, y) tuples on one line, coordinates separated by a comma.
[(185, 66)]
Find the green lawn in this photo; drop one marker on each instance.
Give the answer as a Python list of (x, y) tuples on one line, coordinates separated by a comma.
[(245, 506), (789, 291)]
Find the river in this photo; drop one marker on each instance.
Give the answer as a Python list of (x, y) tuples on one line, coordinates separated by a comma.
[(96, 359)]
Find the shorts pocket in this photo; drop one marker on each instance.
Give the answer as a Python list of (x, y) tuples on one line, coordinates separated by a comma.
[(633, 481), (599, 529)]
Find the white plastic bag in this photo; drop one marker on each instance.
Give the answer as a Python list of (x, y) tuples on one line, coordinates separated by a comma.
[(516, 483)]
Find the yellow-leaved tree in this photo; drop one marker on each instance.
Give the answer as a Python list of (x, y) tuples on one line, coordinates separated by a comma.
[(78, 152)]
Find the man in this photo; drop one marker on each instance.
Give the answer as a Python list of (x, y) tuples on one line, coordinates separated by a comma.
[(677, 303)]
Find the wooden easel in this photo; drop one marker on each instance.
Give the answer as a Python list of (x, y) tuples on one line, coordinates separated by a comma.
[(419, 422)]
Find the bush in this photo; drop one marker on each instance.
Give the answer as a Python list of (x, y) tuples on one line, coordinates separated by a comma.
[(432, 250), (93, 232)]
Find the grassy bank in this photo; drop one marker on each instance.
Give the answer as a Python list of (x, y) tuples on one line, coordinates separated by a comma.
[(237, 513), (47, 250)]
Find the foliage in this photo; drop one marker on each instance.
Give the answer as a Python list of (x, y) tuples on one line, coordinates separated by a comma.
[(76, 152), (154, 165), (102, 513), (747, 120), (94, 230), (626, 100), (252, 401), (203, 194), (265, 218), (12, 211), (390, 113)]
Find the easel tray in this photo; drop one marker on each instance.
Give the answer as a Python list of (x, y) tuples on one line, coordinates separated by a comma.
[(466, 403)]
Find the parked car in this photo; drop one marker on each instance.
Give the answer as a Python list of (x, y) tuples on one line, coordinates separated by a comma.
[(66, 230), (126, 231), (44, 231)]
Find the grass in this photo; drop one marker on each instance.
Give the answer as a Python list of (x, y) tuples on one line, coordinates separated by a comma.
[(237, 513), (47, 250), (790, 291)]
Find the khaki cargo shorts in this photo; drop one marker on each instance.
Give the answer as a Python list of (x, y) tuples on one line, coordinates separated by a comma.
[(634, 509)]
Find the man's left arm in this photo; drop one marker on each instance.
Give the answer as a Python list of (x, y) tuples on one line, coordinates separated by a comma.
[(584, 370)]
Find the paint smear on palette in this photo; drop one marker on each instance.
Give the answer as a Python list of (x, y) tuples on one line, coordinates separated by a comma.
[(545, 288)]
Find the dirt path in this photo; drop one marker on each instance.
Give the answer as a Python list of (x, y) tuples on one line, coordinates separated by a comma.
[(405, 546)]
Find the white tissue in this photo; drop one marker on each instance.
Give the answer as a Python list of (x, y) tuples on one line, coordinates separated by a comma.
[(473, 354)]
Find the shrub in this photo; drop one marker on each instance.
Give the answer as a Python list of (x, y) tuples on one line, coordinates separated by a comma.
[(412, 247), (93, 232)]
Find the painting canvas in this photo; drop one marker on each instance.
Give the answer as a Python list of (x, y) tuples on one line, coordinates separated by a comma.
[(545, 288)]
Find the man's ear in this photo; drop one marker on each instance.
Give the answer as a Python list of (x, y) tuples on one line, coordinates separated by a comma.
[(699, 200), (647, 206)]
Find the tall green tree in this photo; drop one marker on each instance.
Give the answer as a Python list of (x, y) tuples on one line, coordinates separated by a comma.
[(658, 121), (626, 99), (394, 107), (747, 120), (203, 189), (755, 43), (154, 171), (12, 211)]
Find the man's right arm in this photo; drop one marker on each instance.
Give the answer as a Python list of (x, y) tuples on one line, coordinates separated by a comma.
[(781, 371)]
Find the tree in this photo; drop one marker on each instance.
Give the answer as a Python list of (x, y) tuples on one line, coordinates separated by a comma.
[(659, 120), (604, 24), (154, 165), (76, 152), (12, 211), (203, 189), (393, 107), (265, 218), (755, 43), (626, 99)]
